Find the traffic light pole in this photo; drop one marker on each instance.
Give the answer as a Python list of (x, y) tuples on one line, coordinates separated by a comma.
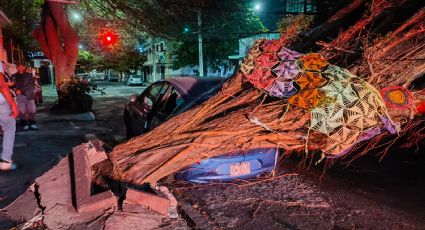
[(200, 52)]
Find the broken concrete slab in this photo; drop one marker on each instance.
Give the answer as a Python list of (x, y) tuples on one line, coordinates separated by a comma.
[(23, 208), (68, 186), (62, 217), (54, 186), (55, 192), (172, 210), (142, 219), (85, 200), (94, 152), (148, 200)]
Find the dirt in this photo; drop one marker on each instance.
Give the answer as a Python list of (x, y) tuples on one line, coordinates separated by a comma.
[(364, 195)]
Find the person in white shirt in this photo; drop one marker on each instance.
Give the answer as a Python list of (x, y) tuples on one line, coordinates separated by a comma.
[(8, 113)]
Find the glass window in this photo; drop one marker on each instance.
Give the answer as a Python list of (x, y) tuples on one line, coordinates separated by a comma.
[(169, 104), (151, 94), (300, 6)]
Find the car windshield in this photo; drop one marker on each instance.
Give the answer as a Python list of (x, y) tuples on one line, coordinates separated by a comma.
[(197, 101)]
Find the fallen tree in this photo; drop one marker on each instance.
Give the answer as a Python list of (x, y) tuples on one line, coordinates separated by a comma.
[(241, 116)]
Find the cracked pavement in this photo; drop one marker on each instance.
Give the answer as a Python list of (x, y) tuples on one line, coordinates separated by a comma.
[(38, 191)]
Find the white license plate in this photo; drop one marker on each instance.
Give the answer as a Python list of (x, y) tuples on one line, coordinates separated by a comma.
[(239, 169)]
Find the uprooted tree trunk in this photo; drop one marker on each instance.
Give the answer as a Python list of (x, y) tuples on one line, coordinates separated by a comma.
[(59, 42), (242, 117), (225, 123)]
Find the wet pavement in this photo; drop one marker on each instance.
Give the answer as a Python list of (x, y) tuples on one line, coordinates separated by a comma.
[(37, 151), (367, 194)]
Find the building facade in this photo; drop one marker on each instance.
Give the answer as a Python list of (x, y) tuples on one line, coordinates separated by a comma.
[(159, 61), (245, 44)]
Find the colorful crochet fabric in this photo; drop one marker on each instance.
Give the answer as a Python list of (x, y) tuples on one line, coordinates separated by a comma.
[(342, 106), (397, 97)]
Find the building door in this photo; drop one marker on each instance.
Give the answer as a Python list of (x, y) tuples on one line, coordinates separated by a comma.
[(162, 70), (44, 75)]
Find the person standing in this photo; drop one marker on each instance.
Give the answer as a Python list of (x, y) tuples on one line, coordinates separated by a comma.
[(24, 85), (8, 113), (8, 80)]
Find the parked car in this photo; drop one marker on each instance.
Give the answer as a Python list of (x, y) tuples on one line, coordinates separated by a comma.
[(134, 80), (240, 165), (169, 97), (113, 75), (97, 75), (81, 75)]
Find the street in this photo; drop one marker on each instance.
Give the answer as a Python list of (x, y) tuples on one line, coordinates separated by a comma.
[(38, 151), (207, 114), (344, 197), (110, 89)]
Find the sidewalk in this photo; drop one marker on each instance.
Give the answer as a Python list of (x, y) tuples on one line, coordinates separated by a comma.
[(36, 152)]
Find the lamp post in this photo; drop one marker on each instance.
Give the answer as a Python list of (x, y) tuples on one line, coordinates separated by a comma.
[(200, 51), (76, 16), (257, 7)]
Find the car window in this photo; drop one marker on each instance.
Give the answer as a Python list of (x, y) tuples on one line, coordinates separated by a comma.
[(150, 95), (179, 100), (169, 104), (155, 90)]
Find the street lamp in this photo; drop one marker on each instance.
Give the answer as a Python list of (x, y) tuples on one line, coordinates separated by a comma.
[(186, 29), (257, 7), (76, 16)]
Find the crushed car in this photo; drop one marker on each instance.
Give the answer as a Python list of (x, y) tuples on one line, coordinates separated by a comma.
[(169, 97)]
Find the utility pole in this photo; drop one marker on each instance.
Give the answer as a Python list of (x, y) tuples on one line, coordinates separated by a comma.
[(200, 52), (153, 59)]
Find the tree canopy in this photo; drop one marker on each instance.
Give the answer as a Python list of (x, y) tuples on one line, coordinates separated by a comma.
[(177, 21), (24, 15), (168, 18)]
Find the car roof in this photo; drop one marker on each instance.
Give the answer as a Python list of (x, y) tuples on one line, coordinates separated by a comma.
[(194, 86)]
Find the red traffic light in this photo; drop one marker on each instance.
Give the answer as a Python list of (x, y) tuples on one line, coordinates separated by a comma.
[(109, 38)]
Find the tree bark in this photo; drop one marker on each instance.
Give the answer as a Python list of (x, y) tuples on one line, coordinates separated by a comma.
[(59, 42), (224, 124), (240, 117)]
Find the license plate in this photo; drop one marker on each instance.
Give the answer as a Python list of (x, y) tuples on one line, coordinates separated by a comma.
[(239, 169)]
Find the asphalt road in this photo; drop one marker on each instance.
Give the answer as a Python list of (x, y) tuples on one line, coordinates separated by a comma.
[(366, 194), (105, 89)]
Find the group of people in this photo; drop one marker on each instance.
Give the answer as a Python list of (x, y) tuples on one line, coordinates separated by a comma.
[(16, 99)]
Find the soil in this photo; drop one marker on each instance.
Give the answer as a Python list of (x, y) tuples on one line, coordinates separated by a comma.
[(364, 195)]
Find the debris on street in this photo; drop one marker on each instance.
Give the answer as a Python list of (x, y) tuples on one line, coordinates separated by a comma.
[(71, 195), (302, 103)]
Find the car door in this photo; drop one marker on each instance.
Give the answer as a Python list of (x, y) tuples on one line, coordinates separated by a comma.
[(166, 106), (143, 107)]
